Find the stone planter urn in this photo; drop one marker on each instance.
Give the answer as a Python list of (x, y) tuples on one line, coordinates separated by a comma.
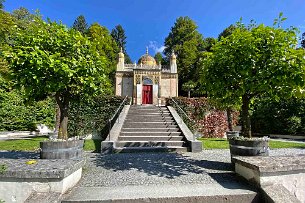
[(240, 146), (70, 149), (231, 134)]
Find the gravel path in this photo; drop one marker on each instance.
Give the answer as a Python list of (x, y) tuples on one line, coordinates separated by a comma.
[(208, 166)]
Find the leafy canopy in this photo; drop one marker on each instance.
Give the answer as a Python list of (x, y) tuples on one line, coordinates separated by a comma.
[(48, 58), (187, 43)]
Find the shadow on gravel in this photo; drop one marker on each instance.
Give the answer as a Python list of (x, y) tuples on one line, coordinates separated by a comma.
[(168, 165), (19, 155)]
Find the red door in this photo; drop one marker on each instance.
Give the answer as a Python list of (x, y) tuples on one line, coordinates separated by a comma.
[(147, 94)]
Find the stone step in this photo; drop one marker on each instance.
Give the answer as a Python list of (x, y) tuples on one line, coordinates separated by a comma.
[(149, 149), (154, 113), (166, 193), (127, 120), (150, 138), (149, 144), (147, 134), (150, 129), (150, 125)]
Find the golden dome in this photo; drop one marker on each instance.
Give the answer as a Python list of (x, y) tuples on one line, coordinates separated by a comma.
[(147, 60)]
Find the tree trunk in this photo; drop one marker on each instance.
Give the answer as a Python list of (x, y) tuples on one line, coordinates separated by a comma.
[(63, 103), (229, 117), (57, 119), (245, 116)]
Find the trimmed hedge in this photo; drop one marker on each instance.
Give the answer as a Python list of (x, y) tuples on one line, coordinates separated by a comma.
[(286, 116), (16, 115), (206, 118), (86, 116)]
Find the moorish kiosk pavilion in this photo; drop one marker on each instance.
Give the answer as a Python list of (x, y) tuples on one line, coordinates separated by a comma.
[(147, 82)]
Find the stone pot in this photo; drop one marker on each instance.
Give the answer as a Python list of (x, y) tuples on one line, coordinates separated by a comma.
[(231, 134), (249, 147), (70, 149)]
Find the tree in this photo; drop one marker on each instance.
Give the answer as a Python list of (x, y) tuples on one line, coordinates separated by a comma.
[(1, 4), (189, 86), (80, 24), (303, 40), (187, 43), (22, 17), (105, 45), (118, 34), (159, 58), (48, 59), (209, 43), (252, 63), (227, 32)]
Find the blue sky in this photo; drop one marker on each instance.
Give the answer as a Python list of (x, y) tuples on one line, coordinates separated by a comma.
[(148, 22)]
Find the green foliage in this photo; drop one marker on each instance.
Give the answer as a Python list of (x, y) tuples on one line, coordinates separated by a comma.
[(187, 43), (3, 168), (303, 41), (209, 43), (1, 4), (80, 24), (85, 116), (23, 17), (227, 32), (118, 34), (49, 59), (286, 116), (159, 58), (254, 62), (15, 114)]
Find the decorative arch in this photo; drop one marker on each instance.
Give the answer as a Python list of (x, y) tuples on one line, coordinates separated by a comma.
[(147, 81)]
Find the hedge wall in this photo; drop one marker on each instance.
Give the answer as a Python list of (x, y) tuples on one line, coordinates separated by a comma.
[(16, 115), (286, 116), (207, 119), (89, 115)]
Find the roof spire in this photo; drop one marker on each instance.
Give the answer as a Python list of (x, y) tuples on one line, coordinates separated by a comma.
[(147, 50)]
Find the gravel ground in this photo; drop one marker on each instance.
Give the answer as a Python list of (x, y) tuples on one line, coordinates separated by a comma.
[(208, 166)]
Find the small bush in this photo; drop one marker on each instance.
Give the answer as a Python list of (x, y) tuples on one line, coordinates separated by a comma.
[(206, 118), (279, 117)]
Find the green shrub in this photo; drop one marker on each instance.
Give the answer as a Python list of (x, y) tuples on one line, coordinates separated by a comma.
[(15, 114), (279, 117), (85, 116)]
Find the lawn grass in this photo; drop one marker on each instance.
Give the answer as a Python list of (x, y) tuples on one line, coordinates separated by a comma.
[(218, 143), (32, 144)]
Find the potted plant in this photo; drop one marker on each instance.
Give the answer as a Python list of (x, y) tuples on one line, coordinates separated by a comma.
[(247, 65)]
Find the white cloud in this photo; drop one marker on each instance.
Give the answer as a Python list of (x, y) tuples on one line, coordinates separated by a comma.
[(156, 47)]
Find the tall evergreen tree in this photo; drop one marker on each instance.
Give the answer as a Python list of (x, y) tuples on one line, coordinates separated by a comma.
[(118, 34), (1, 4), (303, 40), (187, 43), (80, 24), (159, 58)]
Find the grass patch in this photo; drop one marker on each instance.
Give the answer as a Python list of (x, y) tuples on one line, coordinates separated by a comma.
[(30, 144), (218, 143), (92, 145)]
